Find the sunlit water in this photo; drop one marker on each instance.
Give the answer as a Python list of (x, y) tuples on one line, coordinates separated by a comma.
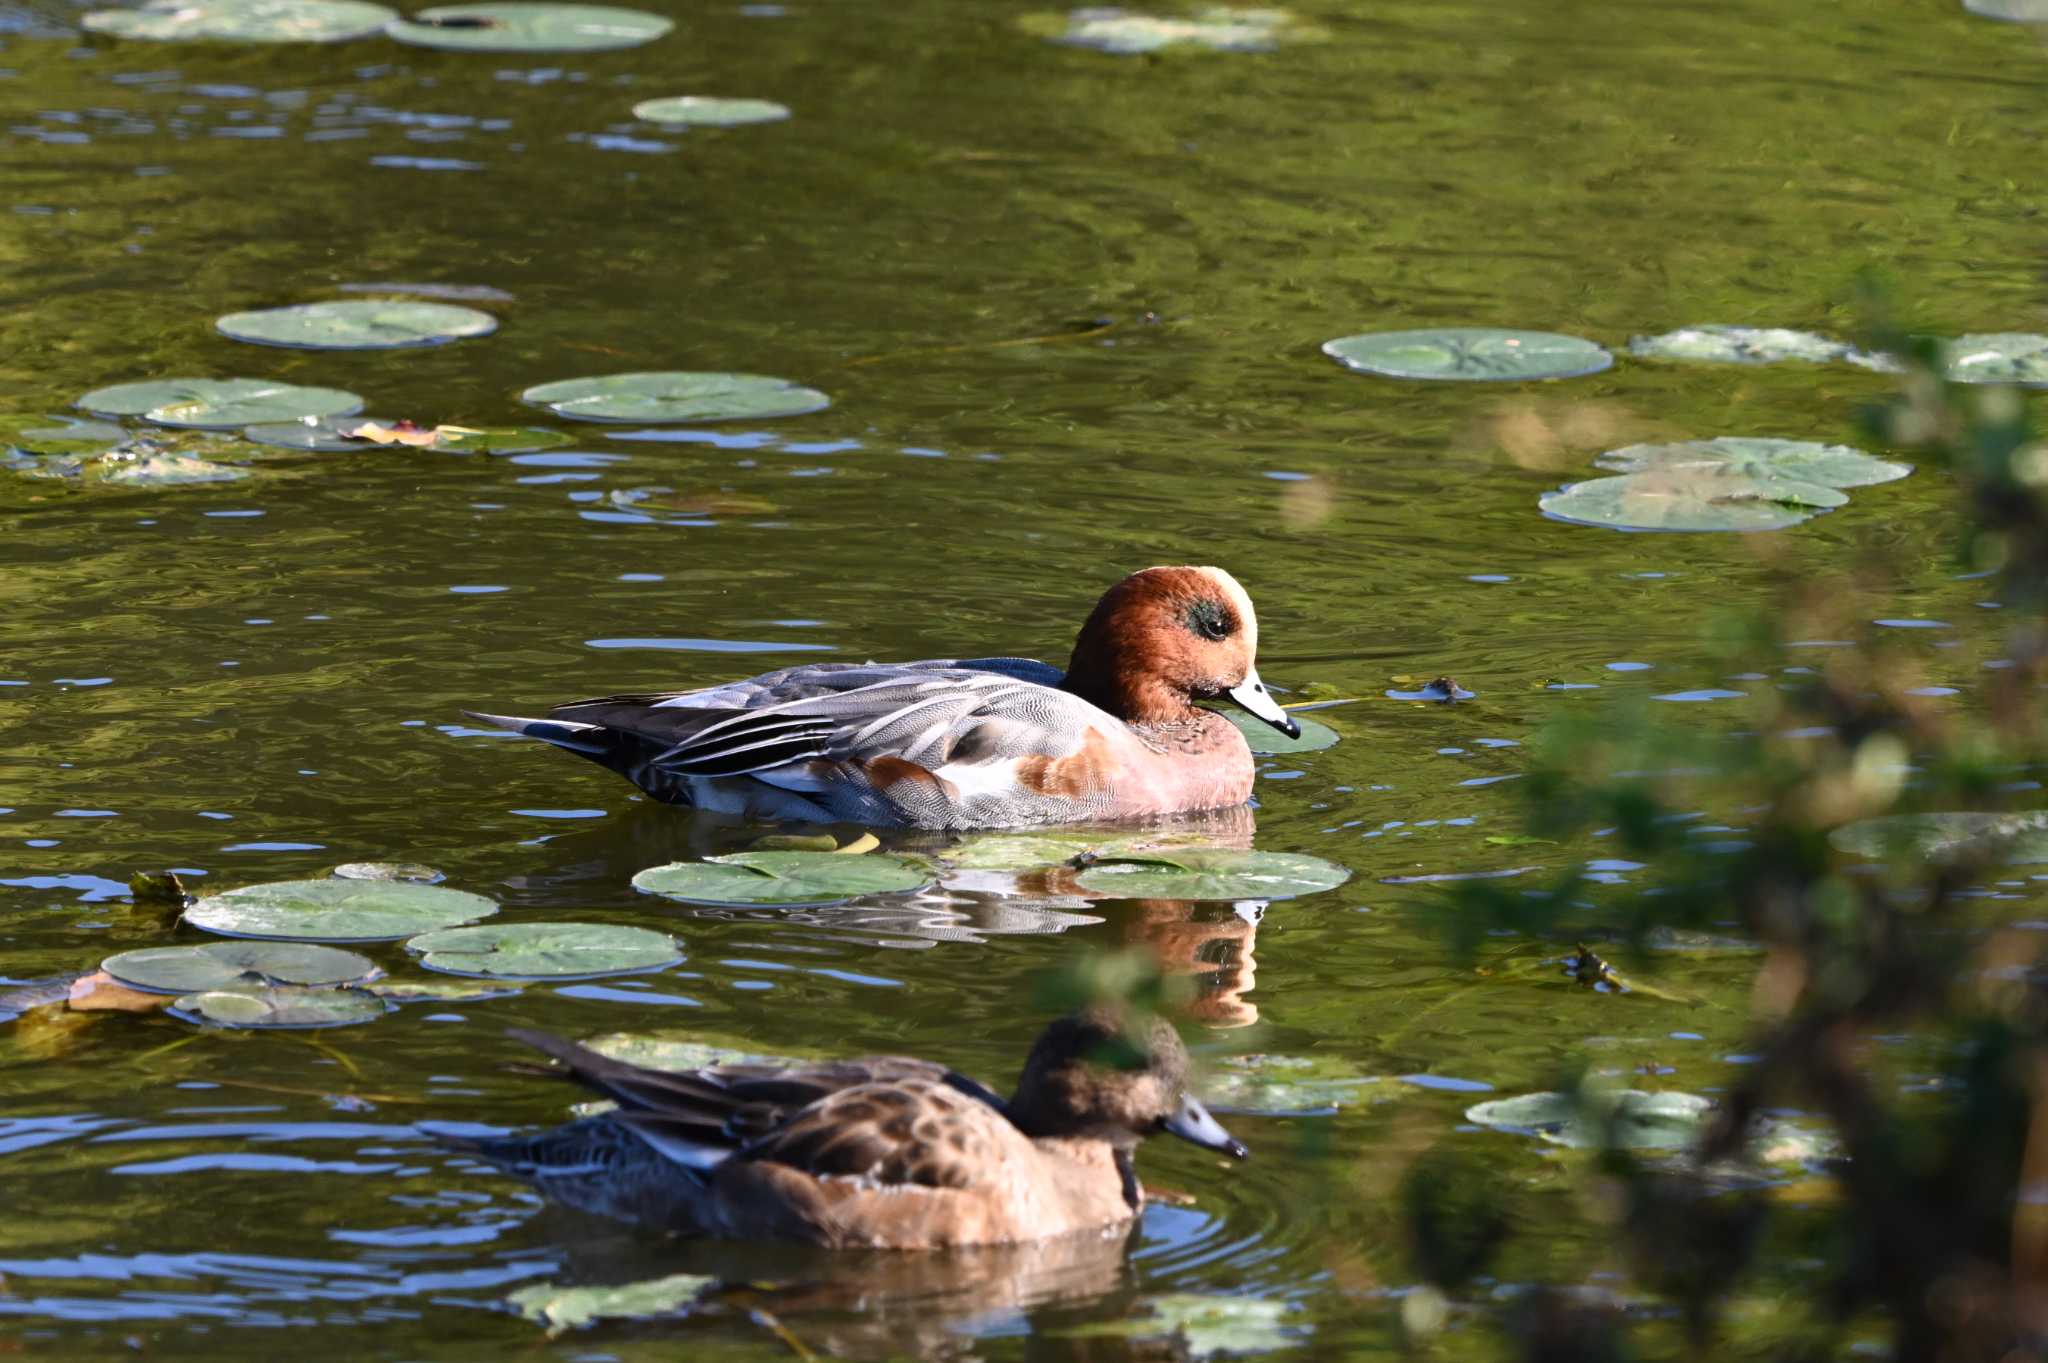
[(263, 680)]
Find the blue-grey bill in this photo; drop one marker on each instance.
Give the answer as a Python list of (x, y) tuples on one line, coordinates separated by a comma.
[(1193, 1123)]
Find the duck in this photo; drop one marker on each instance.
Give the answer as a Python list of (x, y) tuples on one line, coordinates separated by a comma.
[(883, 1152), (963, 744)]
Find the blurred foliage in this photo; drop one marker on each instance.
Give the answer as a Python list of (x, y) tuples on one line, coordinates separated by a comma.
[(1933, 1229)]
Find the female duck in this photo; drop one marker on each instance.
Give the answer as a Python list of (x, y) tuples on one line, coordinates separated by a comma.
[(882, 1153), (980, 743)]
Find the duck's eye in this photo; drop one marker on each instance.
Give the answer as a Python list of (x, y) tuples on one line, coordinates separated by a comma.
[(1209, 619)]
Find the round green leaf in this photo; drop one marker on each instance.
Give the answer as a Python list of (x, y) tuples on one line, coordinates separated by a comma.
[(675, 396), (134, 468), (1625, 1118), (1283, 1085), (808, 879), (358, 324), (1806, 461), (516, 27), (222, 965), (322, 434), (1212, 873), (2004, 839), (1999, 357), (1689, 499), (1712, 343), (1215, 28), (388, 870), (337, 910), (216, 404), (545, 951), (243, 21), (72, 435), (708, 111), (571, 1308), (1267, 741), (1205, 1326), (281, 1006), (1018, 851), (1469, 353), (2012, 11)]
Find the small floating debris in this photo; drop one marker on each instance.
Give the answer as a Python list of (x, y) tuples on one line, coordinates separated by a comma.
[(1998, 357), (243, 21), (1469, 354), (1713, 343), (524, 27), (706, 111), (1442, 690), (357, 324), (339, 435), (675, 396), (1213, 28), (562, 1308)]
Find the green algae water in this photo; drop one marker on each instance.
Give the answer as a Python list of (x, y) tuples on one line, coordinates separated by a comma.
[(1068, 309)]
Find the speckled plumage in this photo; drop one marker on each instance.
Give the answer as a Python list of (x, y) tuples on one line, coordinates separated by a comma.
[(974, 743), (881, 1153)]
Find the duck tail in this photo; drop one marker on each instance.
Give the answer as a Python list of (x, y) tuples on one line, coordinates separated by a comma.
[(588, 739)]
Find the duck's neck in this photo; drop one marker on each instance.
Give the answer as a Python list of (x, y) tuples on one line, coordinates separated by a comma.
[(1134, 698)]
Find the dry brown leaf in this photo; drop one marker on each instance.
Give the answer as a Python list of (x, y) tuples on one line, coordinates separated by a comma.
[(101, 992), (398, 433)]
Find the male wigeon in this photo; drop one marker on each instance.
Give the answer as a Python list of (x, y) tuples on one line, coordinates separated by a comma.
[(885, 1152), (978, 743)]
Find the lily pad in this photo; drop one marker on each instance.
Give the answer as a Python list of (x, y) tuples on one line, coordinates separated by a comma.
[(1998, 357), (1690, 499), (1212, 873), (58, 435), (243, 21), (2012, 11), (1283, 1085), (388, 870), (657, 1051), (2004, 839), (337, 910), (515, 27), (1469, 353), (707, 111), (1207, 1326), (1267, 741), (1756, 457), (676, 396), (217, 404), (1627, 1118), (809, 879), (545, 951), (140, 467), (357, 324), (438, 991), (221, 965), (1216, 28), (1019, 851), (1712, 343), (571, 1308), (281, 1006)]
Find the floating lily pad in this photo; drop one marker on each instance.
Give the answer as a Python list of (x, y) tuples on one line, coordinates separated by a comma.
[(220, 965), (545, 951), (529, 28), (281, 1006), (1999, 357), (1690, 499), (1712, 343), (571, 1308), (217, 404), (1212, 873), (1755, 457), (1267, 741), (676, 396), (388, 870), (2004, 839), (439, 991), (1206, 1326), (337, 910), (357, 324), (243, 21), (2012, 11), (1627, 1118), (706, 111), (656, 1051), (1469, 353), (58, 435), (1283, 1085), (139, 467), (808, 879), (1019, 851), (1215, 28)]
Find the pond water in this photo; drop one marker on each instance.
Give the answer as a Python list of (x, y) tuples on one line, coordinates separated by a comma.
[(1067, 306)]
